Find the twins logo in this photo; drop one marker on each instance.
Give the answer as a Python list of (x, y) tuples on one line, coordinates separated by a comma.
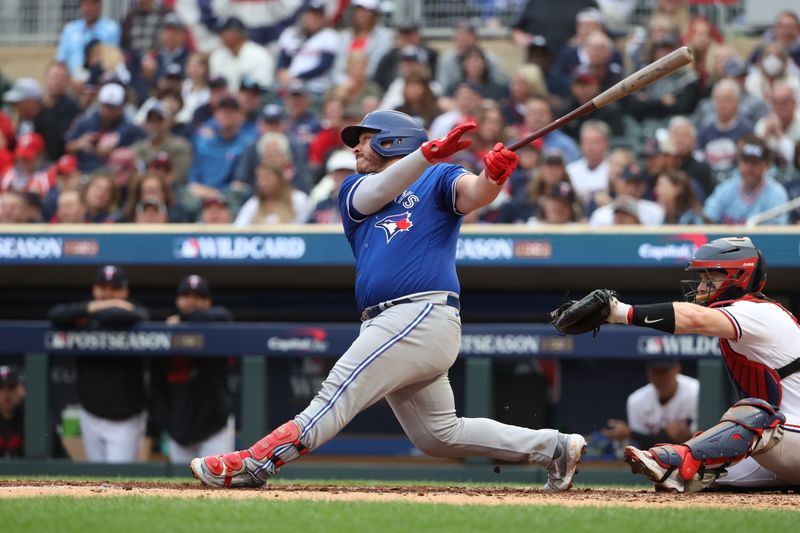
[(394, 224)]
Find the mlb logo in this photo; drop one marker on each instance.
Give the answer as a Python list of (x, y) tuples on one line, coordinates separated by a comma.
[(187, 248), (394, 224)]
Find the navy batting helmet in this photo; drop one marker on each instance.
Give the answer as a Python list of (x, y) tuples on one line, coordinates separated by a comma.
[(404, 132), (742, 263)]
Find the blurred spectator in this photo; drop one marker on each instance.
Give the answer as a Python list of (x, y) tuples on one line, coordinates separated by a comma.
[(124, 169), (60, 104), (631, 187), (683, 140), (302, 124), (217, 90), (78, 33), (329, 137), (273, 120), (750, 107), (676, 93), (786, 32), (70, 208), (12, 413), (307, 51), (365, 34), (641, 41), (448, 68), (781, 129), (101, 198), (27, 175), (466, 105), (530, 168), (491, 130), (191, 393), (7, 135), (217, 148), (195, 90), (551, 20), (64, 175), (539, 114), (664, 410), (160, 140), (676, 196), (617, 12), (750, 191), (275, 200), (526, 82), (152, 187), (12, 207), (32, 208), (702, 40), (324, 198), (250, 102), (475, 70), (773, 68), (167, 57), (239, 56), (419, 100), (584, 87), (718, 140), (618, 160), (557, 204), (408, 35), (537, 175), (26, 96), (413, 61), (111, 390), (357, 91), (93, 137), (675, 10), (589, 174), (215, 211), (150, 211), (141, 26)]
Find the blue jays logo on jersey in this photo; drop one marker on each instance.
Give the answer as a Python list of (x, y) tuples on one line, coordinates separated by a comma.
[(394, 224)]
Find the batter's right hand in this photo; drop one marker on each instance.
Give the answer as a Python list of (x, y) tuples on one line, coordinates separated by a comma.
[(444, 147)]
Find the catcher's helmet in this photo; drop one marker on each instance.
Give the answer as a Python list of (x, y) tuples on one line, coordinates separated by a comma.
[(404, 132), (738, 258)]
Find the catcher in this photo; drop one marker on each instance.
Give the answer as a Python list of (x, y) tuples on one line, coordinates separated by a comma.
[(756, 443)]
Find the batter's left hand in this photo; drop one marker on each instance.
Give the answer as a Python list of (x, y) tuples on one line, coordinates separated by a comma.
[(499, 163), (444, 147)]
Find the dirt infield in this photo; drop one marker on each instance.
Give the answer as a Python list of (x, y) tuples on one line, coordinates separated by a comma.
[(418, 494)]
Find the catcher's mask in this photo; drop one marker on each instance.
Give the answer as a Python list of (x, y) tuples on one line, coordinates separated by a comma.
[(737, 257)]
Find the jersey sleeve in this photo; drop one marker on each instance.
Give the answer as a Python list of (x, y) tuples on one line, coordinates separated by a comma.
[(753, 322), (350, 215), (448, 175)]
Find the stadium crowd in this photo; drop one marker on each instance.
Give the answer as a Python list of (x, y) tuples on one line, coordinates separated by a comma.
[(132, 124)]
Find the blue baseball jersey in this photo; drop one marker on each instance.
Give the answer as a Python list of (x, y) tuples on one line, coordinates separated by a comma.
[(409, 245)]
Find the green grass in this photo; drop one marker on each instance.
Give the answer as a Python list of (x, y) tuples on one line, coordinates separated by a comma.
[(147, 514)]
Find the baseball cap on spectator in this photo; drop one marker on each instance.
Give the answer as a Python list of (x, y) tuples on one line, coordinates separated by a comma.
[(9, 376), (650, 147), (466, 25), (297, 87), (316, 5), (29, 146), (112, 94), (66, 164), (171, 20), (273, 113), (156, 109), (232, 23), (562, 191), (632, 173), (341, 160), (591, 14), (408, 26), (24, 89), (663, 363), (228, 102), (627, 205), (161, 161), (251, 85), (553, 156), (666, 41), (753, 150), (194, 285), (413, 53), (174, 70), (735, 67), (111, 275), (584, 74), (215, 200), (150, 202), (217, 82), (367, 4)]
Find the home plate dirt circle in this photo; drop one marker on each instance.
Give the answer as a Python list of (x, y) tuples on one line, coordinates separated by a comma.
[(787, 500)]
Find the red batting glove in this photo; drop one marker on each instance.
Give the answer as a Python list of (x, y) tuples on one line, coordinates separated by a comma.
[(444, 147), (499, 163)]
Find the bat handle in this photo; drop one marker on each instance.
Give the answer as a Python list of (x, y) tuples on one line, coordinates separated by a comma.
[(588, 107)]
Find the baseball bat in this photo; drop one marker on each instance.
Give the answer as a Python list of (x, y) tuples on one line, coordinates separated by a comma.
[(641, 78)]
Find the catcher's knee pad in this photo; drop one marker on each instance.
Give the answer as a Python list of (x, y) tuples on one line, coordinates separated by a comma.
[(288, 433), (750, 427)]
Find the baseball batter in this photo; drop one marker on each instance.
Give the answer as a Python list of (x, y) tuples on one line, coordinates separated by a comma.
[(402, 213), (757, 441)]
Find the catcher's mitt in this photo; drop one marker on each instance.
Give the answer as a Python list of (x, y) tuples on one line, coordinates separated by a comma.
[(576, 317)]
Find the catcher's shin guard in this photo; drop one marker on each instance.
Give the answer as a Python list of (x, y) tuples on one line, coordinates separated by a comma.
[(750, 427), (251, 467)]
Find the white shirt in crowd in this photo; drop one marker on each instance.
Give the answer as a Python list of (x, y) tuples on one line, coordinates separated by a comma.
[(253, 61), (783, 145), (306, 54), (249, 211), (587, 181), (647, 415)]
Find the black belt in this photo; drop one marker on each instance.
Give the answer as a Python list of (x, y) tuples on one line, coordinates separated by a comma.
[(375, 310)]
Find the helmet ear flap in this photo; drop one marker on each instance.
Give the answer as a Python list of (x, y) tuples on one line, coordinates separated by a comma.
[(759, 274)]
